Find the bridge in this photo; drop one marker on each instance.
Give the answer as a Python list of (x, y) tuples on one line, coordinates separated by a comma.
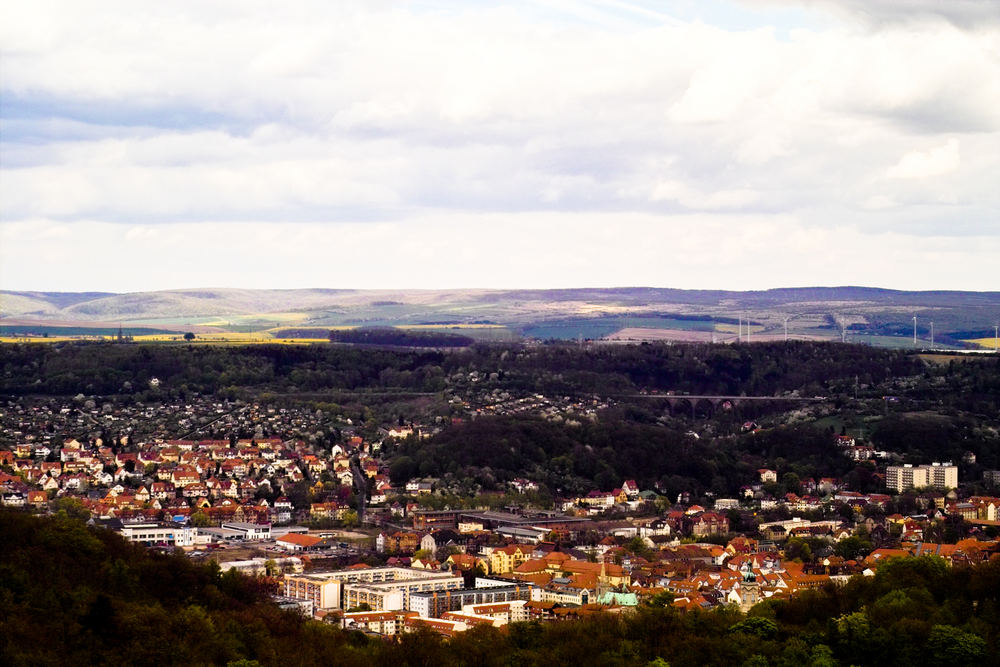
[(715, 402)]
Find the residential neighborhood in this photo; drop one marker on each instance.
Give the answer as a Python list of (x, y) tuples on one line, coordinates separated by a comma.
[(280, 505)]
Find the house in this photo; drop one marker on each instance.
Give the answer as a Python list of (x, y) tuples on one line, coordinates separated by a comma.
[(709, 523), (631, 489), (400, 542), (282, 510), (37, 498), (163, 490), (506, 559), (467, 562), (441, 538), (331, 510), (598, 499), (767, 476), (13, 499)]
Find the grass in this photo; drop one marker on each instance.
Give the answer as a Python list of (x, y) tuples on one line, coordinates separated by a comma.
[(257, 318)]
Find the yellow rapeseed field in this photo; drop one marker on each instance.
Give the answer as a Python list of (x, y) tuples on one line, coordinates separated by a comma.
[(988, 343), (49, 339)]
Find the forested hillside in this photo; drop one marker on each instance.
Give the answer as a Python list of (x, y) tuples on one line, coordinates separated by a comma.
[(760, 369)]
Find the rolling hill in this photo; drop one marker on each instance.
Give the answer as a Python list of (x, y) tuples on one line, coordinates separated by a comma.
[(876, 315)]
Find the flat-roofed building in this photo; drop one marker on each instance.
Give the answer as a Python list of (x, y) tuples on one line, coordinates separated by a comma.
[(259, 566), (153, 532), (387, 623), (937, 475), (381, 588), (322, 588), (437, 603), (250, 531), (397, 593), (512, 611)]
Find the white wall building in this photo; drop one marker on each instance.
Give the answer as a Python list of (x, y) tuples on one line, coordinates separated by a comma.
[(938, 475), (152, 532)]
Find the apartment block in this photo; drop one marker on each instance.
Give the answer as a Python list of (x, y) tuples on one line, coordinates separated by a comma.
[(381, 588), (937, 475), (435, 604)]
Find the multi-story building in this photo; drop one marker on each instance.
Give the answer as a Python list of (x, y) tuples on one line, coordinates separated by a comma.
[(381, 622), (937, 475), (513, 611), (322, 588), (397, 590), (381, 588), (436, 603)]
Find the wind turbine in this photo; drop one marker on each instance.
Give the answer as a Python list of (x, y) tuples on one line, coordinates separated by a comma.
[(914, 331), (786, 329), (932, 334)]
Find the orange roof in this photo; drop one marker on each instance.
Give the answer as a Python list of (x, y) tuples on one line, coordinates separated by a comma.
[(300, 540), (530, 566)]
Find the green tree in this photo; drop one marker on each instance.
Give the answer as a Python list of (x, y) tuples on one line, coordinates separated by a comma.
[(70, 507), (764, 628), (661, 599), (189, 336), (949, 645), (853, 548), (200, 520)]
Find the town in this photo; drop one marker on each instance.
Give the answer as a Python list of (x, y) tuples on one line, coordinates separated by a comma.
[(311, 503)]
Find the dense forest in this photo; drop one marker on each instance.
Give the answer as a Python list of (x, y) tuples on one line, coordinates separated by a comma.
[(760, 369), (382, 336), (575, 458), (72, 595)]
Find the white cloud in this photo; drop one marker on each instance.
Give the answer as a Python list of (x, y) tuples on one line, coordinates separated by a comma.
[(964, 13), (935, 161), (495, 250), (376, 116)]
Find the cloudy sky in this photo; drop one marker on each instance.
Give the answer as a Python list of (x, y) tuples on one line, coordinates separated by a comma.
[(740, 144)]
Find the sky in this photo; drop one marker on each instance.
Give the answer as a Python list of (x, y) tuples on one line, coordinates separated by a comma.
[(716, 144)]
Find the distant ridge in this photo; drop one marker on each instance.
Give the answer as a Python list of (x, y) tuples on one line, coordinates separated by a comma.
[(824, 311)]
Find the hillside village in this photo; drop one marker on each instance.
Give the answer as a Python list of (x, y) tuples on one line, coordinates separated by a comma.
[(309, 518)]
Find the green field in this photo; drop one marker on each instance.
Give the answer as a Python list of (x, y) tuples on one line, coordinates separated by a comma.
[(896, 342), (599, 327)]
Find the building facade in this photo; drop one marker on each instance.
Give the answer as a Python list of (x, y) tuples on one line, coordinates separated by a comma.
[(380, 588), (436, 604), (937, 475)]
